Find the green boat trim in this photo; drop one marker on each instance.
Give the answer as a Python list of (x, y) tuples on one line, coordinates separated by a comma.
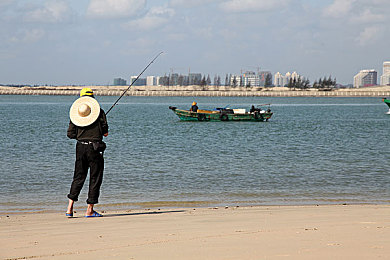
[(387, 102), (223, 115)]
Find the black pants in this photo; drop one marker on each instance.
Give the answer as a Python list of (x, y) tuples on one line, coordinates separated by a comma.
[(86, 158)]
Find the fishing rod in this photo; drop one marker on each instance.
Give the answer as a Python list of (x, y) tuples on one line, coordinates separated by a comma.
[(150, 63)]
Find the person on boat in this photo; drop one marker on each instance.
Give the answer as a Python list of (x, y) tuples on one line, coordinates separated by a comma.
[(88, 125), (194, 107)]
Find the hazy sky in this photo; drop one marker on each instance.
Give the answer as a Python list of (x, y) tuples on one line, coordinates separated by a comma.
[(92, 42)]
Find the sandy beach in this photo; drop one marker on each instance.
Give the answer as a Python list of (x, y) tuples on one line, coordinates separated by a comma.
[(263, 232)]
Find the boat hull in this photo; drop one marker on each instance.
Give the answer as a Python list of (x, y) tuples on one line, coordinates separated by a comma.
[(186, 115), (387, 102)]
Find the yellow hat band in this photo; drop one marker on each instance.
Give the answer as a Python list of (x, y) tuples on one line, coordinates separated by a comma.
[(86, 92)]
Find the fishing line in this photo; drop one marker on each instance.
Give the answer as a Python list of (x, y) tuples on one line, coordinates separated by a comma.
[(133, 82)]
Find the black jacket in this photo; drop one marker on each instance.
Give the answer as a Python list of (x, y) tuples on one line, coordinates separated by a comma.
[(194, 108), (93, 132)]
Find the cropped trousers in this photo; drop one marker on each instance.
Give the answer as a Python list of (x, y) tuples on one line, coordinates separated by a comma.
[(87, 158)]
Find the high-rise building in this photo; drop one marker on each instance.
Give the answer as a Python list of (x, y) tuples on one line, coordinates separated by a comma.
[(250, 79), (283, 81), (294, 75), (151, 81), (278, 80), (365, 78), (286, 79), (235, 80), (173, 79), (385, 78), (119, 82), (263, 75), (139, 82), (194, 78)]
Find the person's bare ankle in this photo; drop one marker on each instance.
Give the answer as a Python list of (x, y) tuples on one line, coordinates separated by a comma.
[(90, 210), (70, 207)]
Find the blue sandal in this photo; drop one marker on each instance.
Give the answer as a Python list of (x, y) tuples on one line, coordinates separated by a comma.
[(94, 214), (69, 215)]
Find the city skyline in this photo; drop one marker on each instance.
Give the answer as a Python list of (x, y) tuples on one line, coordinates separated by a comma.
[(91, 42), (365, 77)]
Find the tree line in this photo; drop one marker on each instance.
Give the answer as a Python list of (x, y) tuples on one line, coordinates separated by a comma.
[(302, 83), (326, 83), (183, 80)]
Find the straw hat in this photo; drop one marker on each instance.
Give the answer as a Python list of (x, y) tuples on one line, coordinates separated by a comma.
[(84, 111)]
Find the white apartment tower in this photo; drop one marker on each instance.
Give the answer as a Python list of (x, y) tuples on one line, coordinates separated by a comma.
[(250, 78), (365, 78), (282, 81), (286, 79), (151, 81), (385, 78), (294, 75), (235, 80), (278, 80)]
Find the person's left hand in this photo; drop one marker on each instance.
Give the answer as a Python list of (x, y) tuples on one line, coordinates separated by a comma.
[(105, 135)]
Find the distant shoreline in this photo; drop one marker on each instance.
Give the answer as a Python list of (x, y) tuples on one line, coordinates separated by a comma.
[(380, 91)]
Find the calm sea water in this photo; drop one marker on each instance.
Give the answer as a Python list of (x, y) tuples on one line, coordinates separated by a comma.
[(313, 151)]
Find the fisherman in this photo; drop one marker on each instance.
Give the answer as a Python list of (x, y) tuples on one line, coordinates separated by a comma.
[(88, 125), (194, 107)]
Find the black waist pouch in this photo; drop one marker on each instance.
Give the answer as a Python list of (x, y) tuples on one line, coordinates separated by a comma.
[(99, 146)]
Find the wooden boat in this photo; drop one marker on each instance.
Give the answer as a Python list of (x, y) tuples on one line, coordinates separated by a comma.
[(224, 114), (387, 102)]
